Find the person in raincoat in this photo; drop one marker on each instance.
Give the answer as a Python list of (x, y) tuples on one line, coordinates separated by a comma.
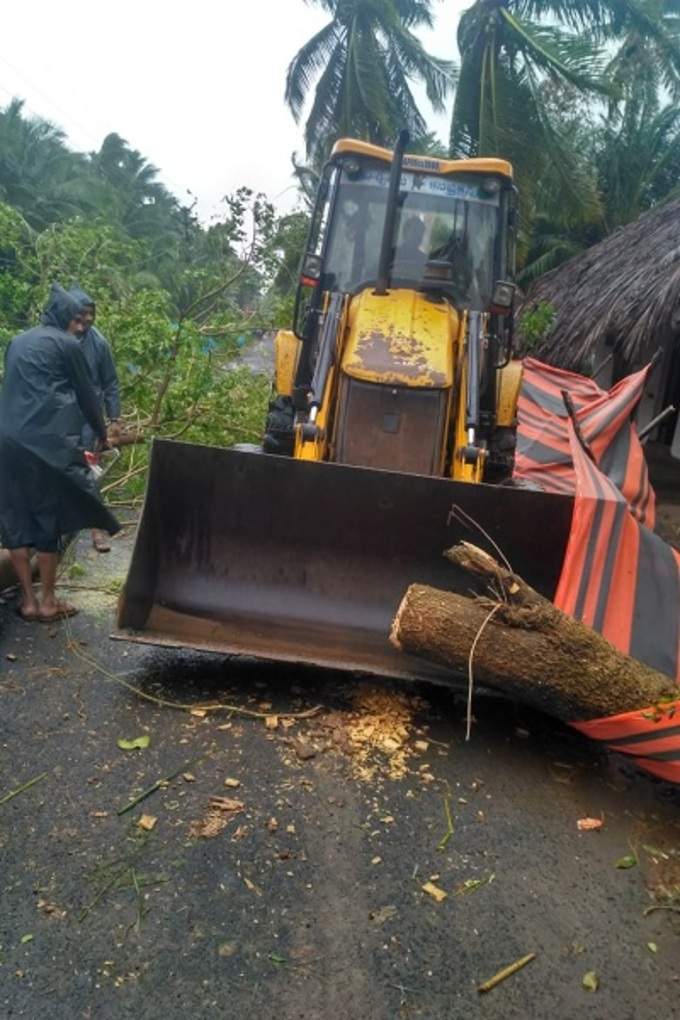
[(104, 378), (46, 487)]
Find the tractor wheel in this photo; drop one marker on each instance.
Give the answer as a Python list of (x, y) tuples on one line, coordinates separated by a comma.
[(279, 436)]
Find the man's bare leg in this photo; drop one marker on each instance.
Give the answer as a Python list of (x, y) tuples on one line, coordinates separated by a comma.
[(101, 541), (50, 607), (21, 561)]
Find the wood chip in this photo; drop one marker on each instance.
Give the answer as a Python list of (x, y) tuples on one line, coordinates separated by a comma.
[(506, 972), (232, 783), (251, 885), (200, 713), (220, 812), (586, 824), (434, 891), (304, 750), (272, 722), (421, 746), (382, 915), (147, 822), (272, 824), (290, 829), (227, 804), (188, 777)]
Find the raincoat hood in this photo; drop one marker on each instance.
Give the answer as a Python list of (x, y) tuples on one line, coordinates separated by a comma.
[(81, 298), (61, 308)]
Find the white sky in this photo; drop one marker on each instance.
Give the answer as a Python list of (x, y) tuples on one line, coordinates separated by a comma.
[(196, 86)]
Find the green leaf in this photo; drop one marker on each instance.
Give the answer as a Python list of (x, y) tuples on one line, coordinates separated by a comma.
[(136, 744), (276, 958), (76, 570), (26, 938), (591, 981), (652, 947), (629, 861)]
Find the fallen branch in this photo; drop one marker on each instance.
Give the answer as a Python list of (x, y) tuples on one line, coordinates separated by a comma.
[(530, 650)]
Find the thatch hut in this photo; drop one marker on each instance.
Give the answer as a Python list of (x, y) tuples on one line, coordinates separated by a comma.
[(621, 298)]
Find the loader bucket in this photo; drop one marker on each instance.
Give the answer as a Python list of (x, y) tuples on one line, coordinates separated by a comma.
[(300, 561)]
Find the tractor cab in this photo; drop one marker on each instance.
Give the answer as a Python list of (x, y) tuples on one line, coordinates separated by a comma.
[(402, 316)]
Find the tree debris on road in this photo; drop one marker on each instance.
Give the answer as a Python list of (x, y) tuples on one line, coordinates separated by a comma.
[(506, 972)]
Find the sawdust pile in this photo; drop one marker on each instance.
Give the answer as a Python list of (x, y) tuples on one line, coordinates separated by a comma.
[(220, 812), (378, 731)]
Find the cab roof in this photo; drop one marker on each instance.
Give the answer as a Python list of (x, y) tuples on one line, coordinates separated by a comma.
[(430, 164)]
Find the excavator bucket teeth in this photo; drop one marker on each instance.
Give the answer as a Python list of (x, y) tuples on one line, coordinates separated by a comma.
[(299, 561)]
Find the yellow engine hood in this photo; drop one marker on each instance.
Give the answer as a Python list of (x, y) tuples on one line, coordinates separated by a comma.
[(400, 339)]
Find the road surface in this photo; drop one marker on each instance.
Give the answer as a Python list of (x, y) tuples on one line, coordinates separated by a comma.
[(307, 902)]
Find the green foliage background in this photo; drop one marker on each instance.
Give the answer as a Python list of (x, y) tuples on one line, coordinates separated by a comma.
[(175, 299)]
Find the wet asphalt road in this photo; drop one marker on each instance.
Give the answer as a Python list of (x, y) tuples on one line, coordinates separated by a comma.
[(102, 919)]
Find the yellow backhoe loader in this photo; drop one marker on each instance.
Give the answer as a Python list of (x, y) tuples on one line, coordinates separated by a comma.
[(389, 435)]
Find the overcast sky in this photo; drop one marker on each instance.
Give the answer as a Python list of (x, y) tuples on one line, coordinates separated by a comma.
[(195, 85)]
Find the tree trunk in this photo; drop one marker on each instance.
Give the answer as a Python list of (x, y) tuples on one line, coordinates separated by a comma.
[(528, 648)]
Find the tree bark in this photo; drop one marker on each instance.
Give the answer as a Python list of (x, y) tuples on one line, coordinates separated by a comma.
[(528, 648)]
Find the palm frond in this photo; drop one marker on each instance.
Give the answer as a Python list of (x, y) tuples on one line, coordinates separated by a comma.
[(307, 63), (558, 54), (325, 116)]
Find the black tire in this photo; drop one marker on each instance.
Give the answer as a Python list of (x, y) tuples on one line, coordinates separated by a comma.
[(501, 455), (279, 434)]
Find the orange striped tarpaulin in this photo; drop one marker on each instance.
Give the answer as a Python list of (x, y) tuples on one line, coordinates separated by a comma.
[(604, 418), (618, 577)]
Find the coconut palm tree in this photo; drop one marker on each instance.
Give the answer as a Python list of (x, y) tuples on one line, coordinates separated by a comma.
[(635, 155), (364, 62), (512, 50), (39, 176)]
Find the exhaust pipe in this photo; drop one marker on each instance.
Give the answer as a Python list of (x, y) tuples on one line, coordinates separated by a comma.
[(385, 263)]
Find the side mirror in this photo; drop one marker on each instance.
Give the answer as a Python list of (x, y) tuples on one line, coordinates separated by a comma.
[(503, 298), (310, 273)]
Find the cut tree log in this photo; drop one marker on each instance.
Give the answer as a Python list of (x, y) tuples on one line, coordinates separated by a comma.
[(528, 648)]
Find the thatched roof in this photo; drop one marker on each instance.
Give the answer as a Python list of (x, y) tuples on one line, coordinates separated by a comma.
[(624, 290)]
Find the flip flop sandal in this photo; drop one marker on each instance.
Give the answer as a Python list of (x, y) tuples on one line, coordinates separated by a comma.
[(63, 612)]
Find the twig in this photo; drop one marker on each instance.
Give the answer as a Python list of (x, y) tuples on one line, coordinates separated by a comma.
[(156, 786), (457, 513), (487, 619), (140, 900), (75, 649), (20, 789), (506, 972), (125, 478), (100, 895), (441, 845), (660, 906), (86, 587)]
